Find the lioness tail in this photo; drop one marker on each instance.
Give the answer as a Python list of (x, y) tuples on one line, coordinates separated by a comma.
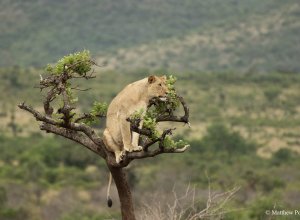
[(109, 201)]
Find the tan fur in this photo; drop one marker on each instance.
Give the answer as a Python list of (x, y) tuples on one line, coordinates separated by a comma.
[(117, 136)]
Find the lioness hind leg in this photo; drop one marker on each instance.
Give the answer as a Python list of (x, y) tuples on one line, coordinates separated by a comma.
[(126, 135), (112, 146)]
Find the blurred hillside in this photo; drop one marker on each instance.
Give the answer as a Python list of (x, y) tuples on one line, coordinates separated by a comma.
[(213, 35)]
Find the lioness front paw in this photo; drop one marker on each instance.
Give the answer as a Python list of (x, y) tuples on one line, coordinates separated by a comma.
[(128, 148), (133, 148), (137, 148)]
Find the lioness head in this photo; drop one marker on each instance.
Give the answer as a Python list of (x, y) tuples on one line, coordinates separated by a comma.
[(157, 86)]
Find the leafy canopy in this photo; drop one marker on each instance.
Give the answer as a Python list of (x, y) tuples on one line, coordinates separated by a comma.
[(76, 65)]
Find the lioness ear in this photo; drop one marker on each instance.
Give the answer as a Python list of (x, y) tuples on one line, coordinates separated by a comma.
[(151, 79)]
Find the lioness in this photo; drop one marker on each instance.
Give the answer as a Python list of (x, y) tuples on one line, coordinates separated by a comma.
[(117, 136)]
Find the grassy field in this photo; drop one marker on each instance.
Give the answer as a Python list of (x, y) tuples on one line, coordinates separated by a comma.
[(244, 132)]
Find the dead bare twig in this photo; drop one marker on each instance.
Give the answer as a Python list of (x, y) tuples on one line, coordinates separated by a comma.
[(186, 206)]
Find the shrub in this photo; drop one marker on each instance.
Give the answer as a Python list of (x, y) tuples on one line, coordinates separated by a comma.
[(281, 156), (219, 137), (272, 93)]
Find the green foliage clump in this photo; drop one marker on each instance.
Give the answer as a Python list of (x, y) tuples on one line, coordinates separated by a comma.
[(79, 63), (172, 102), (99, 109), (170, 143), (66, 69), (137, 115), (151, 123)]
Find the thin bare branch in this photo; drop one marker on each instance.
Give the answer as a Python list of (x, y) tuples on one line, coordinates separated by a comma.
[(86, 76), (78, 89), (88, 116)]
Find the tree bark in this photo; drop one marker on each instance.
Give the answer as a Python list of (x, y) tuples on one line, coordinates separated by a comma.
[(120, 179)]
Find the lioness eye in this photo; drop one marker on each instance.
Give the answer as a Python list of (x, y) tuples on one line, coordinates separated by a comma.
[(159, 84)]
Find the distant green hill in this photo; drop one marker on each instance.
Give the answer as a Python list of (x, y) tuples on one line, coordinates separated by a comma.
[(214, 35)]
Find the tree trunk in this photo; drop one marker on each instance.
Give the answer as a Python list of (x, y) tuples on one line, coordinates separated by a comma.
[(120, 179)]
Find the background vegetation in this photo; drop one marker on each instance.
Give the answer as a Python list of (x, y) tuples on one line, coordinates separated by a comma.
[(245, 35), (245, 132), (236, 64)]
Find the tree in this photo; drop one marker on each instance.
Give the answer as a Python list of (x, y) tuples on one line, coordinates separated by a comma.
[(66, 122)]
